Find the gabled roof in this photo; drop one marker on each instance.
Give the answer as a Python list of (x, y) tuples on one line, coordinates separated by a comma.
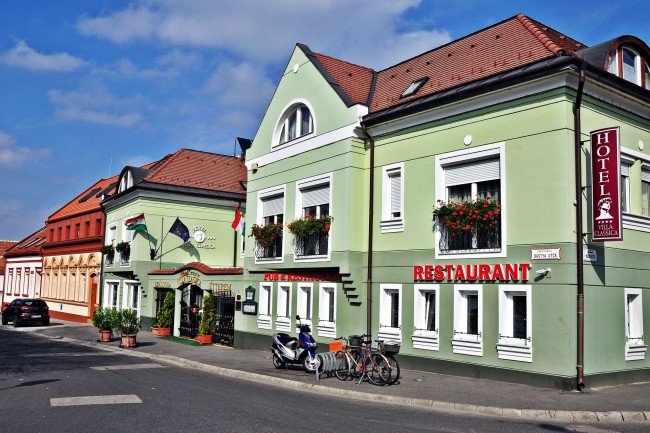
[(192, 171), (508, 45), (29, 246), (88, 200)]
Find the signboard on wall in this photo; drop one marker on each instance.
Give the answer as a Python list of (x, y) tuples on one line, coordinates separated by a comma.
[(606, 219)]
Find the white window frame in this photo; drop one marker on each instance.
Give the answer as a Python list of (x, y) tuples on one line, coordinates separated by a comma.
[(284, 298), (127, 235), (305, 300), (261, 196), (635, 347), (509, 347), (108, 298), (468, 155), (386, 330), (326, 328), (389, 222), (321, 180), (626, 165), (635, 222), (126, 181), (645, 183), (131, 286), (423, 338), (264, 318), (282, 124), (462, 342)]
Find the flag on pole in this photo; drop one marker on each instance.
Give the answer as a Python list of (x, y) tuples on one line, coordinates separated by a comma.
[(179, 229), (238, 224), (136, 223)]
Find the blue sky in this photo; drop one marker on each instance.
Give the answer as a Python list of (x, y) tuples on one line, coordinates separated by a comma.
[(89, 86)]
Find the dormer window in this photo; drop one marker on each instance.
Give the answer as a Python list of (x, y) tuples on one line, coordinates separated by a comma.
[(126, 182), (631, 66), (414, 87), (297, 123)]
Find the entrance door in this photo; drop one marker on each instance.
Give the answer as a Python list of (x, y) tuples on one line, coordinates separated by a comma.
[(225, 314), (191, 303)]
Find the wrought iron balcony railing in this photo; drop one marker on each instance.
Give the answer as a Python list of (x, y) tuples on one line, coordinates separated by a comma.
[(271, 251), (125, 257), (315, 244), (470, 241)]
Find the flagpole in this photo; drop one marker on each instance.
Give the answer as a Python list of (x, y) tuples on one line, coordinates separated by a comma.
[(162, 239)]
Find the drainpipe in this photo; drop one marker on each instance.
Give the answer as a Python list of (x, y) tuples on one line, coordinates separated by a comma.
[(371, 205), (579, 229)]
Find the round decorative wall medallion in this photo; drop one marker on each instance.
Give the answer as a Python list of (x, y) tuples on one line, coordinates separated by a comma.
[(467, 140), (199, 236)]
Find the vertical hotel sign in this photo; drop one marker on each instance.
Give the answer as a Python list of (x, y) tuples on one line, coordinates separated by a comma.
[(606, 221)]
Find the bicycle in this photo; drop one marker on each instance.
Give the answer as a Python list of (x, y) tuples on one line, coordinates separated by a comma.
[(389, 350), (359, 360)]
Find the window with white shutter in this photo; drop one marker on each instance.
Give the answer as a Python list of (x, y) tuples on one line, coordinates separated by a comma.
[(392, 216)]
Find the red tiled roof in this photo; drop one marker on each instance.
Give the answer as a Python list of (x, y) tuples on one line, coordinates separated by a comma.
[(197, 266), (4, 246), (510, 44), (77, 206), (196, 169), (355, 80), (29, 246)]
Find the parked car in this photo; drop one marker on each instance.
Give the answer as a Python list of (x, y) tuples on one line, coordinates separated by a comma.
[(26, 310)]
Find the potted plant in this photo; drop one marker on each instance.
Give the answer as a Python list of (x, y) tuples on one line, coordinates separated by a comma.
[(208, 320), (107, 250), (123, 247), (310, 225), (464, 217), (102, 319), (127, 324), (165, 319), (266, 234)]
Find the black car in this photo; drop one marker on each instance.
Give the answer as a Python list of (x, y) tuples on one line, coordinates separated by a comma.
[(26, 310)]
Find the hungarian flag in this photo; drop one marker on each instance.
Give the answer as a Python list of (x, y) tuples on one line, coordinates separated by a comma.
[(238, 223), (136, 223)]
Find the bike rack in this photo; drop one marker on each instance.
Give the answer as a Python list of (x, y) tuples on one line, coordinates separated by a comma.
[(327, 364)]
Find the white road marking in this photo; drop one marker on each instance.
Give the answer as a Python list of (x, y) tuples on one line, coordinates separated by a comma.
[(95, 399), (73, 354), (127, 367)]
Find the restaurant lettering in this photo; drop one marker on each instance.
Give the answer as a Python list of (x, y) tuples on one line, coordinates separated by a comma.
[(302, 276), (189, 277), (481, 272)]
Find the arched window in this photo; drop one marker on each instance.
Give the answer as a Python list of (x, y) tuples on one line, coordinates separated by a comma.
[(628, 64), (297, 122), (126, 182)]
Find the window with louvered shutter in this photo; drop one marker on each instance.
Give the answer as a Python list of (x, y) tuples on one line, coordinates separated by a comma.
[(395, 194)]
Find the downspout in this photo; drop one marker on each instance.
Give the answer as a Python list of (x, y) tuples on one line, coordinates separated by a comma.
[(579, 229), (371, 205)]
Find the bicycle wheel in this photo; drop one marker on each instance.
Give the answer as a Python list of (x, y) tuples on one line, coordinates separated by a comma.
[(355, 363), (394, 369), (341, 365), (378, 369)]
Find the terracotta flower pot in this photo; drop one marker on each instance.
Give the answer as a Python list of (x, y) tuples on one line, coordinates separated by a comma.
[(161, 332), (128, 340), (105, 335), (204, 339)]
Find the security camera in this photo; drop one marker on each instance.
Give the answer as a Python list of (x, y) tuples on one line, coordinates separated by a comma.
[(543, 271)]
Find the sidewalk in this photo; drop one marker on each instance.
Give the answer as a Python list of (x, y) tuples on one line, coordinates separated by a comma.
[(415, 388)]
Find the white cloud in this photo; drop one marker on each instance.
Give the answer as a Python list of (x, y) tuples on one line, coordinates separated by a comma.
[(265, 31), (25, 57), (239, 85), (14, 156), (95, 106)]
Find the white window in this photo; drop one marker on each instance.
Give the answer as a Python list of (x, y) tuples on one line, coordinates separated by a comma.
[(313, 198), (127, 235), (271, 212), (472, 175), (468, 320), (305, 302), (132, 294), (390, 312), (625, 187), (327, 310), (265, 310), (645, 191), (392, 209), (426, 320), (112, 234), (296, 122), (515, 323), (632, 66), (126, 181), (635, 347), (112, 294), (283, 322)]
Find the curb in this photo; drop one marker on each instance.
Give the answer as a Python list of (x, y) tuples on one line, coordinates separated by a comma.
[(530, 414)]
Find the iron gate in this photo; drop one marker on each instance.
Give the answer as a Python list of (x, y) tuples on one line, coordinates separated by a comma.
[(224, 306)]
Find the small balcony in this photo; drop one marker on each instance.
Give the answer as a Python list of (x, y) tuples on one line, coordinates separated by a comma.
[(270, 251), (312, 245), (472, 241), (110, 260), (125, 258)]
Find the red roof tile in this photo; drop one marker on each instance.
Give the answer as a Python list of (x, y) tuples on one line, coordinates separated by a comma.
[(355, 80), (91, 203), (510, 44), (4, 246), (204, 269), (196, 169), (29, 246)]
